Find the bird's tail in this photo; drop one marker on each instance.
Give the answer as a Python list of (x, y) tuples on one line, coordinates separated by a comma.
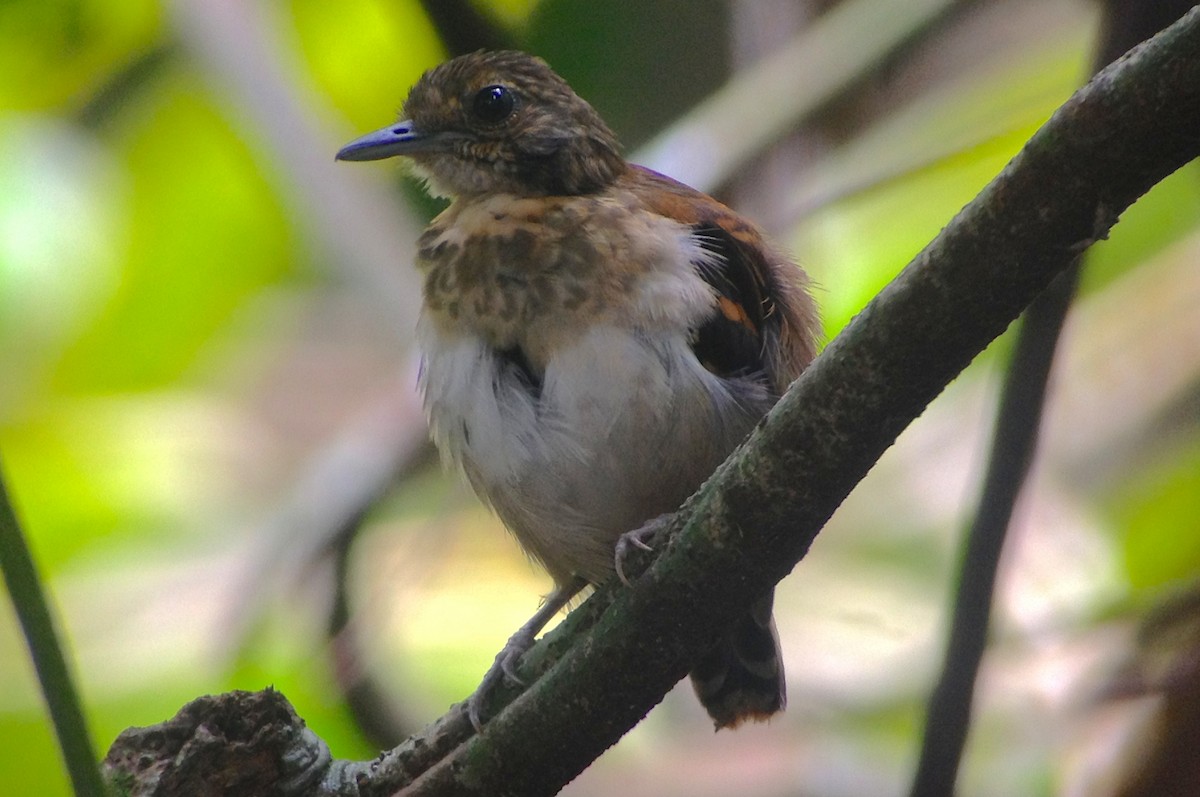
[(742, 677)]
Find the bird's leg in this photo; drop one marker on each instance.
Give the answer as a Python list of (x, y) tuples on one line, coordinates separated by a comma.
[(505, 664), (637, 539)]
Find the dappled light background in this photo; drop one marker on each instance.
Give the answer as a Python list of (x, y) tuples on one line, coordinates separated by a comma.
[(206, 377)]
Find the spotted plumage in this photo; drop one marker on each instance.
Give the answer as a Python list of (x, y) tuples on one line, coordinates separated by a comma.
[(596, 337)]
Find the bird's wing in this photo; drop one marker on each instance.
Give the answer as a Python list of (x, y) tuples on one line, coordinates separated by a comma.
[(765, 323)]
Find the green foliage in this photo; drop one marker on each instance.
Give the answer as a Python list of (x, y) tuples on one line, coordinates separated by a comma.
[(363, 55), (1162, 217), (56, 52), (1158, 550), (203, 231)]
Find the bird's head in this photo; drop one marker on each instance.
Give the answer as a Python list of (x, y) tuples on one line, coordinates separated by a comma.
[(498, 122)]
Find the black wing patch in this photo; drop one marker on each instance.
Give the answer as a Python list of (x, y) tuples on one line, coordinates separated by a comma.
[(513, 360), (730, 343)]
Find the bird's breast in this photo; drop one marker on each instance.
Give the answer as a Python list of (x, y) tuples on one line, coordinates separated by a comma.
[(538, 272)]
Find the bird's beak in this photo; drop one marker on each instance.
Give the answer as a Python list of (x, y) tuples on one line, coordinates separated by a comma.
[(401, 138)]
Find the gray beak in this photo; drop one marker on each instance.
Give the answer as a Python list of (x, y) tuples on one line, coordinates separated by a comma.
[(397, 139)]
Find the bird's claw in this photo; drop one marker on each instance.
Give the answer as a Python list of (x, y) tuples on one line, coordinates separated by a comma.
[(504, 667), (635, 539)]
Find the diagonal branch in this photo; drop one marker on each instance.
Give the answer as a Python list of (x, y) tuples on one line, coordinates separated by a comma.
[(1133, 125), (756, 519), (1014, 444)]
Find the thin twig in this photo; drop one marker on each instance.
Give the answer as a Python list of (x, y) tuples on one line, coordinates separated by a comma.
[(948, 716), (58, 688)]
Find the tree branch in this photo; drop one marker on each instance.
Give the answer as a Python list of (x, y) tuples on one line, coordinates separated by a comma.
[(1134, 124), (1014, 444)]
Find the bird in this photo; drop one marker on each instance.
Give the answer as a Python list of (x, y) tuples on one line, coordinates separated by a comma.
[(595, 338)]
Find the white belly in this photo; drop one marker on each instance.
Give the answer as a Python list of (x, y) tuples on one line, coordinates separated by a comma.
[(624, 429)]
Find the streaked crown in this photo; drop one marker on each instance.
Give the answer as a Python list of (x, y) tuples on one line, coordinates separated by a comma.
[(499, 122)]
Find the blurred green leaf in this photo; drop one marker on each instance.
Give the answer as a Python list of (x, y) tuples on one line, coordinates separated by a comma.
[(365, 54), (55, 51), (854, 247), (1163, 216), (61, 246), (1156, 513), (29, 760), (205, 231)]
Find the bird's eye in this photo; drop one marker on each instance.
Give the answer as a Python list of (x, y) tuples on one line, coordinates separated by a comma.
[(492, 105)]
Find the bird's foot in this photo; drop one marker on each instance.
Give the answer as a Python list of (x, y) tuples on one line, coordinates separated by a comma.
[(504, 667), (638, 538)]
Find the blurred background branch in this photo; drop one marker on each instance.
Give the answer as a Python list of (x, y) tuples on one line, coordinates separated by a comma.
[(1014, 445), (47, 653), (709, 143)]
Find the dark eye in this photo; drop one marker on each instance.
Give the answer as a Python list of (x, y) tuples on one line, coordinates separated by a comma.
[(492, 105)]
